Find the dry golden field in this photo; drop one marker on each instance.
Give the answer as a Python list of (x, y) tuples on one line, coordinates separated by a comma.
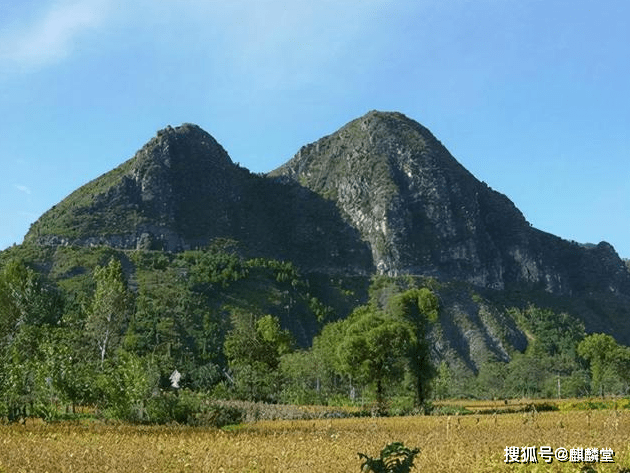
[(472, 443)]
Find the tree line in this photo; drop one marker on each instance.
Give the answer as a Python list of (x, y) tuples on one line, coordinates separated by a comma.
[(114, 344)]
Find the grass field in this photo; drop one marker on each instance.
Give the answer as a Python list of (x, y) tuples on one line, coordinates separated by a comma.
[(471, 443)]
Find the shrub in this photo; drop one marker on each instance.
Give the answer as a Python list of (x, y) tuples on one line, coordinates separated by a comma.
[(218, 416), (395, 458), (191, 409)]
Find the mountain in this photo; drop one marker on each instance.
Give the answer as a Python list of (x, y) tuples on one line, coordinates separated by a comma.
[(182, 191), (423, 213), (379, 196)]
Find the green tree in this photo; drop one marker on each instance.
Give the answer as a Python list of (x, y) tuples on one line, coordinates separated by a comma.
[(68, 372), (126, 383), (110, 309), (525, 376), (442, 382), (25, 300), (374, 348), (331, 377), (420, 307), (622, 363), (306, 378), (253, 348), (604, 355), (490, 381)]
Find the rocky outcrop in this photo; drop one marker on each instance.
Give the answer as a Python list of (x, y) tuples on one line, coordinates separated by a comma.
[(422, 213), (182, 191)]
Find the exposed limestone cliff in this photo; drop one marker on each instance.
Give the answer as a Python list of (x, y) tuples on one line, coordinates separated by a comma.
[(423, 213)]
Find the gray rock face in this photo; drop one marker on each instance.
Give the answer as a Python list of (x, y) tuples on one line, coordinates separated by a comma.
[(382, 193), (182, 191), (422, 213)]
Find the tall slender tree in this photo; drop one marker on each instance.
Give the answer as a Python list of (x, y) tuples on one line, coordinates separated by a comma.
[(110, 308)]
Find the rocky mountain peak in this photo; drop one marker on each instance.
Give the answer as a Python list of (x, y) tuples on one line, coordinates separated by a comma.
[(184, 146), (422, 212), (153, 200), (419, 209)]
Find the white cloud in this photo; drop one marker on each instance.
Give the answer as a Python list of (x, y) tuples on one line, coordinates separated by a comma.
[(24, 189), (53, 35)]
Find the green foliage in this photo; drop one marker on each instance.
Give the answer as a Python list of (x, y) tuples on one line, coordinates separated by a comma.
[(374, 346), (590, 404), (25, 299), (215, 267), (78, 334), (110, 309), (490, 380), (253, 348), (29, 311), (525, 376), (549, 367), (190, 408), (126, 384), (553, 333), (284, 271), (609, 361), (321, 311), (442, 382), (394, 458), (381, 346), (421, 308), (415, 304), (306, 378)]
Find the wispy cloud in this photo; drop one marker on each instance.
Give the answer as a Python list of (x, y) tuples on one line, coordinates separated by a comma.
[(53, 35), (24, 189)]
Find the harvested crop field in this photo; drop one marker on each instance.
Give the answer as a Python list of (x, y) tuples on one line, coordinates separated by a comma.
[(472, 443)]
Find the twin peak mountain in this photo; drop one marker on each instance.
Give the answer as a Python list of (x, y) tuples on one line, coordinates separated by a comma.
[(380, 195)]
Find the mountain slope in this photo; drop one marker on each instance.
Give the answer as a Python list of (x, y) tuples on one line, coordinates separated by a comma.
[(380, 195), (423, 213), (182, 191)]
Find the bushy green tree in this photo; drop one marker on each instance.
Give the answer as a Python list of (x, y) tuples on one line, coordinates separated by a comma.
[(490, 381), (253, 348), (306, 378), (607, 359), (525, 376), (420, 307), (25, 300), (374, 348), (126, 383)]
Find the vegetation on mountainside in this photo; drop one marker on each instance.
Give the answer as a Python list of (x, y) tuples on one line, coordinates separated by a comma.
[(74, 216), (110, 329)]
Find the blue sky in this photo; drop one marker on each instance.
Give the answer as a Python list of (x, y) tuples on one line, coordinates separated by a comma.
[(531, 96)]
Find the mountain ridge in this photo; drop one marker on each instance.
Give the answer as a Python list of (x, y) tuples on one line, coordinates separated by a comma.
[(399, 194), (428, 215), (381, 195)]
